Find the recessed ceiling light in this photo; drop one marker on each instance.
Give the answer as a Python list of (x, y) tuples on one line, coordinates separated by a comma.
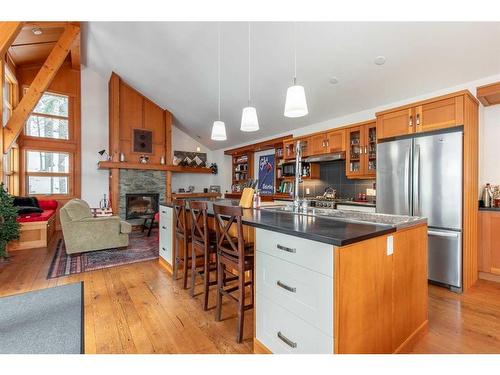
[(37, 31), (380, 60), (333, 80)]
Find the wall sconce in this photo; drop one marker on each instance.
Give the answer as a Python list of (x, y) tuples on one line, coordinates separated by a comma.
[(105, 154)]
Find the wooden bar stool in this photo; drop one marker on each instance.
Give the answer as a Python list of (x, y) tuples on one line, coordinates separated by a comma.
[(203, 245), (182, 236), (233, 255)]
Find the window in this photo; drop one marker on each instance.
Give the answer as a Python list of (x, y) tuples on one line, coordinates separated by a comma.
[(49, 119), (7, 99), (47, 172)]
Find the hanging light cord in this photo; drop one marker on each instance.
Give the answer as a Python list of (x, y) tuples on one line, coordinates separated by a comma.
[(218, 65), (249, 64), (294, 53)]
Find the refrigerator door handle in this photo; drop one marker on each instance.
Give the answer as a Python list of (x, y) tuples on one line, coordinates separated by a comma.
[(416, 181), (407, 180), (442, 234)]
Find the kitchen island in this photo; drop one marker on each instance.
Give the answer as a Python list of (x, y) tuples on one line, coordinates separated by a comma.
[(330, 281)]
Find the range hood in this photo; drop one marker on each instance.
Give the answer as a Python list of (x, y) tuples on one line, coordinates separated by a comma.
[(326, 157)]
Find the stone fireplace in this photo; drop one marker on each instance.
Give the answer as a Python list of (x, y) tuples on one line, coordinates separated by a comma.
[(141, 188)]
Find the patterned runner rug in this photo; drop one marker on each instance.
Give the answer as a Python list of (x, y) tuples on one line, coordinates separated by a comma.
[(140, 248)]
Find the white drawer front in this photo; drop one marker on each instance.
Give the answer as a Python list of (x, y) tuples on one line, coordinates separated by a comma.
[(306, 293), (348, 207), (314, 255), (297, 336), (166, 233)]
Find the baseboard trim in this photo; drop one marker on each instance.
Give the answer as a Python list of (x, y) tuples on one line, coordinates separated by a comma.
[(410, 342), (165, 265), (489, 276), (260, 348)]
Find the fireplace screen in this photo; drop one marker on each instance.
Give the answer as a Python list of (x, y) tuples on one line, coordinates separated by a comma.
[(141, 205)]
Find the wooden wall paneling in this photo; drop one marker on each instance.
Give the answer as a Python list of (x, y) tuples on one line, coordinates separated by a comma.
[(470, 206), (154, 120), (8, 33), (75, 54), (131, 117), (2, 167), (114, 190), (114, 117), (41, 82)]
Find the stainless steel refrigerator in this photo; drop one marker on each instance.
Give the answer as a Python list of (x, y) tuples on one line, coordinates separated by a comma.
[(422, 176)]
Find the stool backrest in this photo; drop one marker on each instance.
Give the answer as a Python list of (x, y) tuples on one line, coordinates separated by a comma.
[(199, 221), (180, 216), (225, 217)]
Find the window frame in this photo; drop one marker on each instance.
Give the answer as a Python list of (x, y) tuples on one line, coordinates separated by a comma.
[(69, 119), (69, 174)]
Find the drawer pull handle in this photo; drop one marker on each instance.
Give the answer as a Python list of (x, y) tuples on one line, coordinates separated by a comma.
[(286, 340), (286, 287), (163, 212), (163, 249), (285, 248)]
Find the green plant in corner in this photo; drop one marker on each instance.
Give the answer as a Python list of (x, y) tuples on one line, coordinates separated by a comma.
[(9, 227)]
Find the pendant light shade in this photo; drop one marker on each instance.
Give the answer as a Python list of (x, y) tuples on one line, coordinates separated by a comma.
[(249, 120), (219, 131), (296, 105), (218, 128)]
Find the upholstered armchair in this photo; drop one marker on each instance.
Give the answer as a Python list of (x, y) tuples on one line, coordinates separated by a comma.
[(82, 232)]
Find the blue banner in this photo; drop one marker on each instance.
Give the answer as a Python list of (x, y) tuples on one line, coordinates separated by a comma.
[(266, 174)]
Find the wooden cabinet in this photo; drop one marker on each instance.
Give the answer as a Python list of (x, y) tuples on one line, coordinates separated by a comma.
[(489, 242), (395, 123), (289, 147), (434, 114), (381, 298), (361, 151), (327, 142)]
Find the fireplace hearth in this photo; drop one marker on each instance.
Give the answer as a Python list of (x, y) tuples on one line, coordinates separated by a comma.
[(139, 205)]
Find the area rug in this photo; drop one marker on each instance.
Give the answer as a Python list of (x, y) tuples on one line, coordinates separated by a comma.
[(140, 248), (47, 321)]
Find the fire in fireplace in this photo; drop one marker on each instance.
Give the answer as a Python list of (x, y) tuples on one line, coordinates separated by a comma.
[(141, 204)]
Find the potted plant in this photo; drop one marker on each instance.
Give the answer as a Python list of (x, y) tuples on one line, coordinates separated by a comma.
[(9, 227)]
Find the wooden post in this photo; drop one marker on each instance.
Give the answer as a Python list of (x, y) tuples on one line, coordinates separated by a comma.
[(169, 153), (2, 77), (42, 80)]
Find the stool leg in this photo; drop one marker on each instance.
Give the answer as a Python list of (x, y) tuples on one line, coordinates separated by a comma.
[(252, 287), (206, 278), (193, 268), (185, 266), (176, 262), (241, 305), (220, 272)]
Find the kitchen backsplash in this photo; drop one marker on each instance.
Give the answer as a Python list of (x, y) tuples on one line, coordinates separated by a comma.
[(332, 174)]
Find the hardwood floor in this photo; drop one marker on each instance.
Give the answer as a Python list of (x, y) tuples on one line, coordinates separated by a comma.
[(138, 308)]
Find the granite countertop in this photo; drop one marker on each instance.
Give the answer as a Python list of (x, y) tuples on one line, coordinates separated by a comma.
[(334, 231)]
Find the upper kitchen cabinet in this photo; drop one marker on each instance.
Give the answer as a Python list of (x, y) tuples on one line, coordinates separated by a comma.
[(289, 147), (327, 142), (432, 114), (361, 150)]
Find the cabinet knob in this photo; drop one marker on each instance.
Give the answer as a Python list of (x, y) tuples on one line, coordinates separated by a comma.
[(410, 122), (417, 120)]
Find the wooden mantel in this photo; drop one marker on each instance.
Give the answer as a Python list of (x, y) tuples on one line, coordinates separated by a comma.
[(154, 167)]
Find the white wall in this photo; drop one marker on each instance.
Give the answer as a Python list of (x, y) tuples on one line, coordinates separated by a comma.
[(489, 130), (94, 135)]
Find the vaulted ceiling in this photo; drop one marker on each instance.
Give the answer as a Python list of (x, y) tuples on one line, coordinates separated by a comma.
[(175, 64)]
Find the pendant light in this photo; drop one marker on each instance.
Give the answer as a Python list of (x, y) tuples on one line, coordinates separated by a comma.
[(295, 105), (219, 128), (249, 120)]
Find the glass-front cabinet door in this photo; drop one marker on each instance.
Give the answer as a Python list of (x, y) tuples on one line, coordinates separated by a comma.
[(370, 150), (354, 165)]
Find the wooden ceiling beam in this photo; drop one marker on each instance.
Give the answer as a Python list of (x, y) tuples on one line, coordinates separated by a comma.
[(76, 54), (41, 82), (8, 33)]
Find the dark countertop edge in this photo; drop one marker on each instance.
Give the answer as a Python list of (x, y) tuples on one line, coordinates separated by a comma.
[(311, 236), (489, 209)]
